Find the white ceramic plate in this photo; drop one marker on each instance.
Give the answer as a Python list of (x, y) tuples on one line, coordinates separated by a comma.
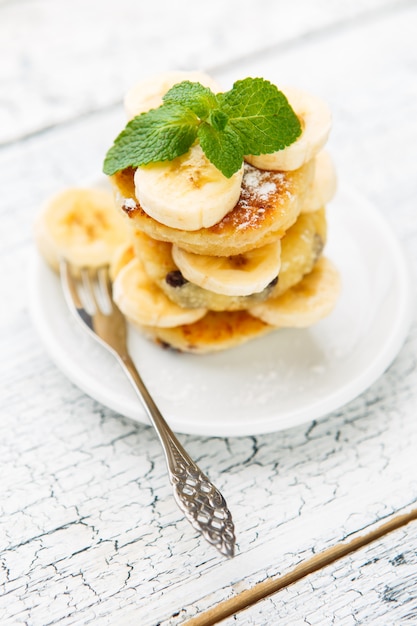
[(284, 379)]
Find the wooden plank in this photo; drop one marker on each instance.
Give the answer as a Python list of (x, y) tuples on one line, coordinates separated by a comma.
[(374, 585)]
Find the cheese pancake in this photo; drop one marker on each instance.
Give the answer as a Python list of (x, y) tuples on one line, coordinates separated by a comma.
[(269, 204), (214, 332)]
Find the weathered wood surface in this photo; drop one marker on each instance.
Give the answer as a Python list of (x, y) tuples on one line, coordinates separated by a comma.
[(89, 532), (376, 585), (64, 59)]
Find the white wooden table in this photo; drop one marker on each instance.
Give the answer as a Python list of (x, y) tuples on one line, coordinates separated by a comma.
[(326, 512)]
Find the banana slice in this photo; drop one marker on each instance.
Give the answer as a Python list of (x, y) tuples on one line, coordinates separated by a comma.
[(324, 184), (316, 122), (187, 193), (268, 206), (148, 93), (121, 257), (144, 303), (82, 225), (306, 303), (214, 332), (239, 275), (159, 265)]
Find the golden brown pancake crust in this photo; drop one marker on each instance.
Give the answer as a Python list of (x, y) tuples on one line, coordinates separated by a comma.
[(269, 204), (301, 246), (215, 331)]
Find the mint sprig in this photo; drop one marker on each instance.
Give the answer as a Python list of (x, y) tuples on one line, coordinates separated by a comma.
[(254, 117), (201, 100)]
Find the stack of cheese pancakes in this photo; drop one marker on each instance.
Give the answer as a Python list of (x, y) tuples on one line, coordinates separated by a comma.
[(216, 261)]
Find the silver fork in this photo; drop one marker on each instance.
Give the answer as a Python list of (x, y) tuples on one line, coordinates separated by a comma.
[(89, 297)]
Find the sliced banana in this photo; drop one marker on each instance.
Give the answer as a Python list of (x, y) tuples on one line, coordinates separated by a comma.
[(155, 255), (269, 204), (316, 122), (159, 265), (148, 93), (212, 333), (143, 303), (121, 257), (306, 303), (324, 184), (188, 193), (81, 225), (238, 275)]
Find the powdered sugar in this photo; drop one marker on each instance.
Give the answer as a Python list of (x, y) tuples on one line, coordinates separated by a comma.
[(262, 192), (255, 186), (130, 203), (260, 184)]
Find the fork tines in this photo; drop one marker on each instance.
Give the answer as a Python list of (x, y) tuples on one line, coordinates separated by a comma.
[(89, 288)]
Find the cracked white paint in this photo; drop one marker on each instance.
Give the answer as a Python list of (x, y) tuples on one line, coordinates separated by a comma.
[(89, 531), (375, 585), (44, 85)]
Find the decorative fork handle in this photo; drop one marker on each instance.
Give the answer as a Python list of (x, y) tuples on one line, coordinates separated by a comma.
[(201, 502)]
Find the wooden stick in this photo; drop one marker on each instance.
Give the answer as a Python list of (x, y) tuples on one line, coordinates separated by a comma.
[(270, 586)]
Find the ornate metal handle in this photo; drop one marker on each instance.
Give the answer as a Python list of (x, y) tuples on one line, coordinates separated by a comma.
[(201, 502)]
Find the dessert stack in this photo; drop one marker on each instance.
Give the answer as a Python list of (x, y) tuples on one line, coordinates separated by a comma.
[(203, 260), (215, 261)]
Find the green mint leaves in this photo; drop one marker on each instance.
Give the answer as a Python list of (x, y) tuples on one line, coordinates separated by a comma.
[(254, 117), (157, 135)]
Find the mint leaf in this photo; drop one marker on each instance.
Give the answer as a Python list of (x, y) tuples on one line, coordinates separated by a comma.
[(160, 134), (261, 115), (222, 147), (218, 119), (253, 117), (193, 96)]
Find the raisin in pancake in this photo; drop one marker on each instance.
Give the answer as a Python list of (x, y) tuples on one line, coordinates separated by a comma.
[(214, 332), (217, 330), (159, 265), (269, 204), (143, 303), (300, 248)]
